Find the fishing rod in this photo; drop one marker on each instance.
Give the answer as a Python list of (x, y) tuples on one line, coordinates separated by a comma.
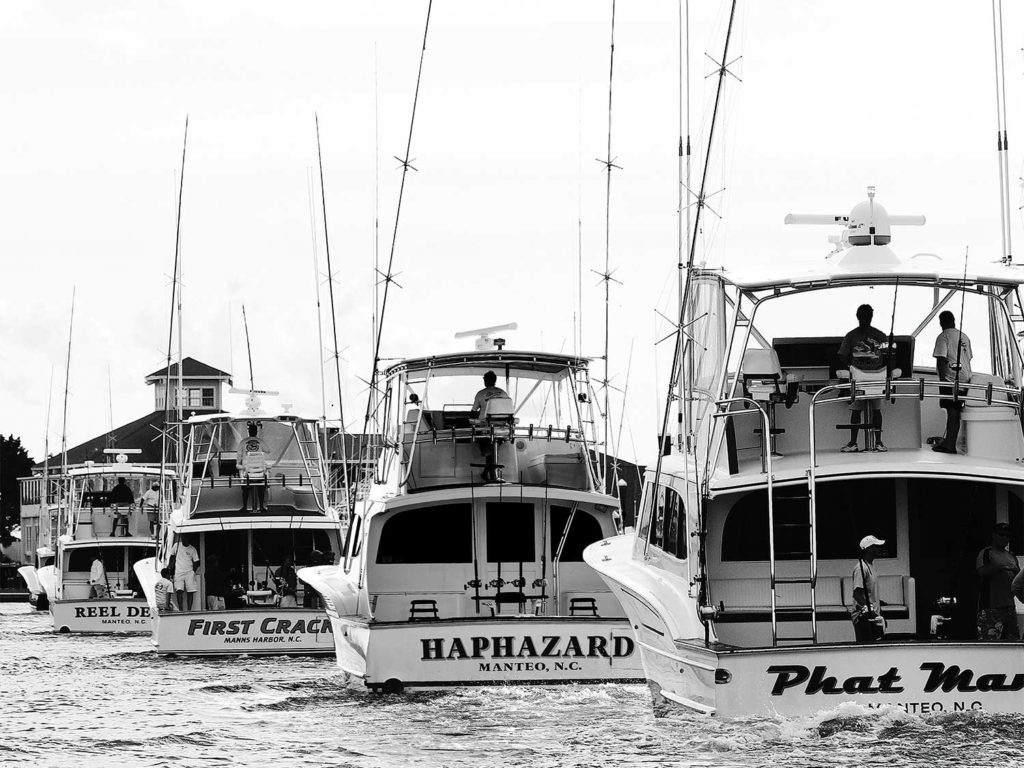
[(683, 185), (892, 328), (63, 502), (675, 373), (960, 338), (310, 194), (390, 275), (349, 501), (248, 348), (606, 276), (1002, 139)]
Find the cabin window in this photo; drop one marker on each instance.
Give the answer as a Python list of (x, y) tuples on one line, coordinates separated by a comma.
[(510, 532), (668, 526), (846, 512), (439, 534), (585, 530), (113, 558), (1015, 508), (272, 547), (352, 535)]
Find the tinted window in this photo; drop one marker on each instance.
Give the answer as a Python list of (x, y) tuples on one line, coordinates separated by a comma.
[(113, 558), (668, 526), (585, 530), (271, 547), (441, 534), (846, 512), (510, 532)]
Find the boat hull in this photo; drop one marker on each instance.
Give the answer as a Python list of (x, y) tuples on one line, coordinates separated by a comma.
[(503, 650), (253, 631), (796, 680), (100, 615)]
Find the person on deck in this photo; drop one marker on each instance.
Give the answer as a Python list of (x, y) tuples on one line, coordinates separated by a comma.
[(866, 612), (254, 470), (216, 583), (997, 567), (953, 362), (97, 577), (120, 497), (186, 563), (164, 591), (489, 392), (151, 505), (287, 583), (862, 348)]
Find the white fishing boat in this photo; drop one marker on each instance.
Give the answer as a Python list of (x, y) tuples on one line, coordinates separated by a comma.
[(259, 502), (464, 564), (740, 580), (90, 585)]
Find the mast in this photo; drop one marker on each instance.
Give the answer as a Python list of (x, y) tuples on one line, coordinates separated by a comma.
[(334, 324), (676, 371)]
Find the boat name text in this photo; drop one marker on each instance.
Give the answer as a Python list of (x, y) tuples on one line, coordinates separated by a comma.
[(111, 611), (947, 678), (510, 647)]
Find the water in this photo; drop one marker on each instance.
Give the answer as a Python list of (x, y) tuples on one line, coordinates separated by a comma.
[(109, 701)]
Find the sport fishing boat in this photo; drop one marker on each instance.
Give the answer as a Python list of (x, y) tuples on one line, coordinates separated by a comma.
[(259, 501), (739, 581), (90, 585), (464, 563)]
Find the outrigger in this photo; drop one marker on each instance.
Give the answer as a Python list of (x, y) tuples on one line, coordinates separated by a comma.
[(104, 530), (739, 581), (260, 498), (464, 563)]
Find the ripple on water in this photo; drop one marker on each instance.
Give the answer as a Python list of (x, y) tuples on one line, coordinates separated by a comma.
[(108, 700)]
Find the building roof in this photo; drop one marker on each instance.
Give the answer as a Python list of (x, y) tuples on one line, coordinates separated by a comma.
[(190, 369), (143, 434)]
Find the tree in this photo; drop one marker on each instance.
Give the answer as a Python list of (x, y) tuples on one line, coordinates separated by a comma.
[(14, 463)]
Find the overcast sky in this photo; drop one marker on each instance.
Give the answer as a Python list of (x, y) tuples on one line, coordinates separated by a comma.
[(512, 114)]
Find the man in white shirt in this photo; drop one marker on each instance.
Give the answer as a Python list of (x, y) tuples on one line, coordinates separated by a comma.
[(97, 578), (866, 612), (489, 392), (254, 470), (151, 505), (186, 563), (953, 362)]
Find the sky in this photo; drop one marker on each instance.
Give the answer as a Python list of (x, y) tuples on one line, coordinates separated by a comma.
[(504, 218)]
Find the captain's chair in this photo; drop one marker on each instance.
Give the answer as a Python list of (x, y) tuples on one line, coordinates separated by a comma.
[(762, 373), (498, 410)]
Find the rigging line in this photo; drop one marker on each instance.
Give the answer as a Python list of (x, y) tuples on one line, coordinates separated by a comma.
[(389, 275), (334, 321), (170, 332), (371, 391), (622, 418), (674, 372), (607, 276)]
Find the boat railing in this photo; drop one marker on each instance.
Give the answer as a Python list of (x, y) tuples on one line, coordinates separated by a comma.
[(920, 389), (238, 481), (547, 433)]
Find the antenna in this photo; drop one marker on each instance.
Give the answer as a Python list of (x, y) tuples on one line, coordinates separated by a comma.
[(311, 193), (1002, 140), (334, 321), (684, 185), (110, 403)]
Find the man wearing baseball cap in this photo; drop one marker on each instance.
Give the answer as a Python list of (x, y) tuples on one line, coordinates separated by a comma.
[(866, 613), (997, 565)]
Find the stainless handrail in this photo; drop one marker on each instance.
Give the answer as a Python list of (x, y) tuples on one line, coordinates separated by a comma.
[(766, 464)]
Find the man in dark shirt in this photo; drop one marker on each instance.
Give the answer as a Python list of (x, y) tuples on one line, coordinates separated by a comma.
[(862, 349), (997, 566), (216, 585), (121, 493)]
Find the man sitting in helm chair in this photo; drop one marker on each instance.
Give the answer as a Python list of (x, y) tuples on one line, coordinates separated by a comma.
[(489, 392)]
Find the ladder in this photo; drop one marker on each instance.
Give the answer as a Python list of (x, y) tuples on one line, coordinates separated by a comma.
[(793, 512), (313, 462)]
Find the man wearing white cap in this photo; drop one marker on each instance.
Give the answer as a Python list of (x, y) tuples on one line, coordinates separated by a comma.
[(866, 613)]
